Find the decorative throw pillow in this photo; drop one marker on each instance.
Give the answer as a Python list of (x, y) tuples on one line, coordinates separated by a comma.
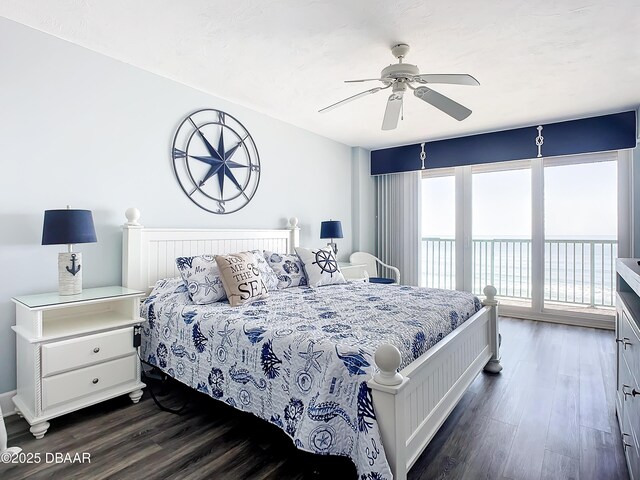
[(321, 266), (241, 278), (288, 269), (202, 278), (268, 275)]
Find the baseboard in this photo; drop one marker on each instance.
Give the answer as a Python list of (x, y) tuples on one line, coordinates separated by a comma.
[(8, 408), (605, 322)]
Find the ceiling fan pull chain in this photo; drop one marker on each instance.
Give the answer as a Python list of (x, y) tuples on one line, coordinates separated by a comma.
[(423, 155), (539, 141)]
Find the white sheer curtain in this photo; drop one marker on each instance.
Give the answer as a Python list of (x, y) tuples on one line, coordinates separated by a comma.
[(398, 226)]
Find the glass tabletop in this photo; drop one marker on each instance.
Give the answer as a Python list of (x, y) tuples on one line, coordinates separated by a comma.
[(54, 298)]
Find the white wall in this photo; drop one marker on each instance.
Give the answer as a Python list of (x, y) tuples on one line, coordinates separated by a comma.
[(83, 129)]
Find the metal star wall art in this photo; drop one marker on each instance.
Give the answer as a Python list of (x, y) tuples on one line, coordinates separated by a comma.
[(234, 161)]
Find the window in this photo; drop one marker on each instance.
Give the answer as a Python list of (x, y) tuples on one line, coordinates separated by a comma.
[(501, 245), (581, 231), (544, 232), (438, 230)]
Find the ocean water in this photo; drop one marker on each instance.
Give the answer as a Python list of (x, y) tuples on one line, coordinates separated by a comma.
[(576, 270)]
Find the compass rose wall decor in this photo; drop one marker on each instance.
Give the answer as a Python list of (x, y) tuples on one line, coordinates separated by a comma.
[(216, 161)]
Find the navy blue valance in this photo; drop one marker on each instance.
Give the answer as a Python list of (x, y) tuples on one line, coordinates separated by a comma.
[(594, 134)]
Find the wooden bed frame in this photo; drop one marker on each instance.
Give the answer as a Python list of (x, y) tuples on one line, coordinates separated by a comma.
[(410, 404)]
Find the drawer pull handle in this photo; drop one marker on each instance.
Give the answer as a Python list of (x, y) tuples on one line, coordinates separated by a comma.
[(625, 342), (95, 380), (96, 350)]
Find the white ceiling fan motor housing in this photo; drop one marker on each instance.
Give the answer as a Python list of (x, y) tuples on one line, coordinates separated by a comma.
[(399, 70)]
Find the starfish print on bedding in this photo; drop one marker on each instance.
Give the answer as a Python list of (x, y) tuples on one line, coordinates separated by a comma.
[(226, 335), (323, 439), (209, 286), (311, 357)]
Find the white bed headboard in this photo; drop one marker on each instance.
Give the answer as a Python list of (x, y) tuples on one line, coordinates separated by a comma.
[(149, 254)]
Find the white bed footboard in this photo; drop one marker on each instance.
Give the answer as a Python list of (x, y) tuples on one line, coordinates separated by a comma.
[(412, 404)]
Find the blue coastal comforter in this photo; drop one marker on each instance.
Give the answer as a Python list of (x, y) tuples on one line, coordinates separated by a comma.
[(301, 358)]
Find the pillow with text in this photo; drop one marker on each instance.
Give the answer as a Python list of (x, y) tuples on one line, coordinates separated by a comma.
[(241, 278)]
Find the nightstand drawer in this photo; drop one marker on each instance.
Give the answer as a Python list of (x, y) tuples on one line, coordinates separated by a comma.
[(87, 381), (79, 352)]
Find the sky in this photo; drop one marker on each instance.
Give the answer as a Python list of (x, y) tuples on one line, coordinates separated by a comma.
[(580, 201)]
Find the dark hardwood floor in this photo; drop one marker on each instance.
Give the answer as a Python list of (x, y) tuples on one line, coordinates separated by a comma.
[(548, 415)]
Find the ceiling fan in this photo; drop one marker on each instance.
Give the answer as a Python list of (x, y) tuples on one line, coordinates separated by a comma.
[(401, 76)]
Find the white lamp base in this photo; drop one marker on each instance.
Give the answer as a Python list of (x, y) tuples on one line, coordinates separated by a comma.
[(69, 273)]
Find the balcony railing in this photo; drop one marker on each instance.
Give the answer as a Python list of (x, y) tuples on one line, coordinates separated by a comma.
[(580, 272)]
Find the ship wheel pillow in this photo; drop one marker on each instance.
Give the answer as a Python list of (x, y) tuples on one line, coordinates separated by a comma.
[(320, 266)]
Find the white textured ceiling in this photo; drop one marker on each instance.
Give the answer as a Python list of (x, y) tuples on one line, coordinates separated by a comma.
[(536, 61)]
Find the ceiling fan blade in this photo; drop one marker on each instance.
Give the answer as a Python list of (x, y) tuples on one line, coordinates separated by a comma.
[(350, 99), (448, 106), (392, 112), (451, 78), (367, 80)]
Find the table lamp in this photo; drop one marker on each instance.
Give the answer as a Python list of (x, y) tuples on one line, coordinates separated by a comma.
[(68, 227), (331, 229)]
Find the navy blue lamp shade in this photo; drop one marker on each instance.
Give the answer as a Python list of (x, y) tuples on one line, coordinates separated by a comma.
[(68, 227), (331, 229)]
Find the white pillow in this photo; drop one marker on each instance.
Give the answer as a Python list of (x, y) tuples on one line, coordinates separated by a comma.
[(320, 266), (202, 278), (269, 277), (288, 269)]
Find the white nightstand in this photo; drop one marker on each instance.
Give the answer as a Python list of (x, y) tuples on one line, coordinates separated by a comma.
[(74, 351), (354, 272)]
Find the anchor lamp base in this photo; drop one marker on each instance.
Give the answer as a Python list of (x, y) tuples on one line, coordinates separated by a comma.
[(334, 247), (69, 273)]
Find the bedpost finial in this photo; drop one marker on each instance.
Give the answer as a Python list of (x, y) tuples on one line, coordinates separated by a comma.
[(388, 360), (293, 222), (133, 215), (490, 293)]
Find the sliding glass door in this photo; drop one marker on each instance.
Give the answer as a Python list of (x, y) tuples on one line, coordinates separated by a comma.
[(501, 245), (544, 232), (438, 268), (581, 227)]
